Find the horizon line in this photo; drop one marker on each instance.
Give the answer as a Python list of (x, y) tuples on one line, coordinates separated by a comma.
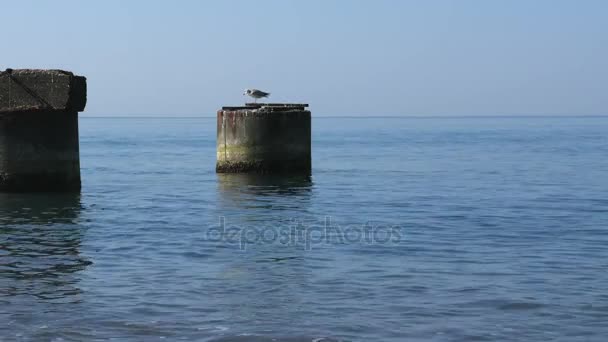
[(361, 116)]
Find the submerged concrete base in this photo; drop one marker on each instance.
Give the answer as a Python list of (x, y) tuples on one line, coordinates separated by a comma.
[(264, 138), (39, 152), (263, 167)]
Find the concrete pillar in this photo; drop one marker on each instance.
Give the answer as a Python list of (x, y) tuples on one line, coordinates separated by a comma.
[(264, 138), (39, 147)]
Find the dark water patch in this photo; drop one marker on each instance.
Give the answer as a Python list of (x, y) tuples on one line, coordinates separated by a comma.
[(254, 338), (521, 306)]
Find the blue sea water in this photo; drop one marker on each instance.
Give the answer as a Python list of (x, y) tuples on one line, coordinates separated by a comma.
[(410, 229)]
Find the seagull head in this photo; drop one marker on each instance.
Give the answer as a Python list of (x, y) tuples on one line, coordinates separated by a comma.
[(247, 92)]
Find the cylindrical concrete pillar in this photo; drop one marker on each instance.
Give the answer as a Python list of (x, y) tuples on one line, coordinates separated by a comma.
[(39, 147), (264, 138)]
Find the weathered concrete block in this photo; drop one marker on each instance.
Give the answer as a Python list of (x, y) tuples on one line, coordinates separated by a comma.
[(39, 151), (35, 90), (39, 147), (264, 138)]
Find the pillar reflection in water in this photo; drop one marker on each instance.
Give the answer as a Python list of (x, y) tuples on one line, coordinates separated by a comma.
[(40, 242), (260, 206), (253, 190)]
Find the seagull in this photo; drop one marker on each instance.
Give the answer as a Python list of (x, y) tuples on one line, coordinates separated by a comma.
[(256, 94)]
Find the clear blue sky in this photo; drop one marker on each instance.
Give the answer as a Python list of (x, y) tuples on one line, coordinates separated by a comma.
[(425, 57)]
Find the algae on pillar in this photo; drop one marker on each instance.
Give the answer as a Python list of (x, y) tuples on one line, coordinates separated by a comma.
[(264, 138), (39, 146)]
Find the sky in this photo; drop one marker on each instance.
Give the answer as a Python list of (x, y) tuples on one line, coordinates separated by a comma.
[(344, 58)]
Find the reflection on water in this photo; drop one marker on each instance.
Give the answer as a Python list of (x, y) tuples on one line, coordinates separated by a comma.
[(39, 209), (40, 246), (249, 338), (282, 193), (262, 208), (264, 185)]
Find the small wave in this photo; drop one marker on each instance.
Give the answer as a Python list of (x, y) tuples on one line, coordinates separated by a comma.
[(521, 306), (255, 338)]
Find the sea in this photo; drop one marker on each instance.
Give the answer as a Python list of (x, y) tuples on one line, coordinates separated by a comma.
[(408, 229)]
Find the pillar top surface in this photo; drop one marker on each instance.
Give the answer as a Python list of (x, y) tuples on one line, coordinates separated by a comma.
[(27, 90)]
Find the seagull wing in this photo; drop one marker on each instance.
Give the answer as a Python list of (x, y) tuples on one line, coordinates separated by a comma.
[(259, 93)]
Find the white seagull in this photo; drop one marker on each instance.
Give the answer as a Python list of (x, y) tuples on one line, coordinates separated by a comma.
[(256, 94)]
